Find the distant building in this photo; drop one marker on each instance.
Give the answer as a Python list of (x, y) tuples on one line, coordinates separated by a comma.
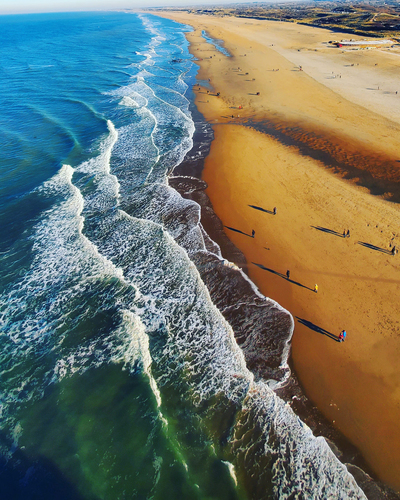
[(364, 43)]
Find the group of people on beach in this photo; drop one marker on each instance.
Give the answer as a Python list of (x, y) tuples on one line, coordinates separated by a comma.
[(346, 234)]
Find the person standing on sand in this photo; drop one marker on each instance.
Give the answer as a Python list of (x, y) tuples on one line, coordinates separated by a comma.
[(316, 288), (342, 336), (288, 274), (348, 233), (253, 233), (274, 210), (394, 251)]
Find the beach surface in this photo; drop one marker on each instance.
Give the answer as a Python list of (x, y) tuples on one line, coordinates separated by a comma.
[(314, 131)]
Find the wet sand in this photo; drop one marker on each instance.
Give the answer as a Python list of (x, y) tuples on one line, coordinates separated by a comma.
[(317, 148)]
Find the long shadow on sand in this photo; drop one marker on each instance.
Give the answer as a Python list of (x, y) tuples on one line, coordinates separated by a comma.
[(373, 247), (318, 329), (330, 231), (262, 209), (238, 231), (281, 275)]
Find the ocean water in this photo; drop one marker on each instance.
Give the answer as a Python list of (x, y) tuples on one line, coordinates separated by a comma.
[(120, 377), (218, 44)]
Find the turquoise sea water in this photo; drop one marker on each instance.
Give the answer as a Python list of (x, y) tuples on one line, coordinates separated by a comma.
[(119, 376)]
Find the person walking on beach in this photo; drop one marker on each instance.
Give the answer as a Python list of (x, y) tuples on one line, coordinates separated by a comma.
[(253, 233), (274, 210), (288, 274), (394, 251), (348, 233), (316, 288), (342, 336)]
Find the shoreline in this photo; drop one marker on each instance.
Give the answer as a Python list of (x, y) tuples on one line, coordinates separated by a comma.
[(266, 355), (186, 179), (254, 273)]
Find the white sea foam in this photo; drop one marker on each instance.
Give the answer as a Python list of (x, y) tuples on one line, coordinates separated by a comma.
[(231, 469), (160, 121), (129, 102), (143, 346), (36, 311), (143, 75)]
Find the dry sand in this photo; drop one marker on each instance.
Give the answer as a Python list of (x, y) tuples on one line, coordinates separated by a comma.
[(321, 131)]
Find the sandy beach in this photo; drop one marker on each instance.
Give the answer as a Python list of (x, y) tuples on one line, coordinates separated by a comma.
[(314, 131)]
